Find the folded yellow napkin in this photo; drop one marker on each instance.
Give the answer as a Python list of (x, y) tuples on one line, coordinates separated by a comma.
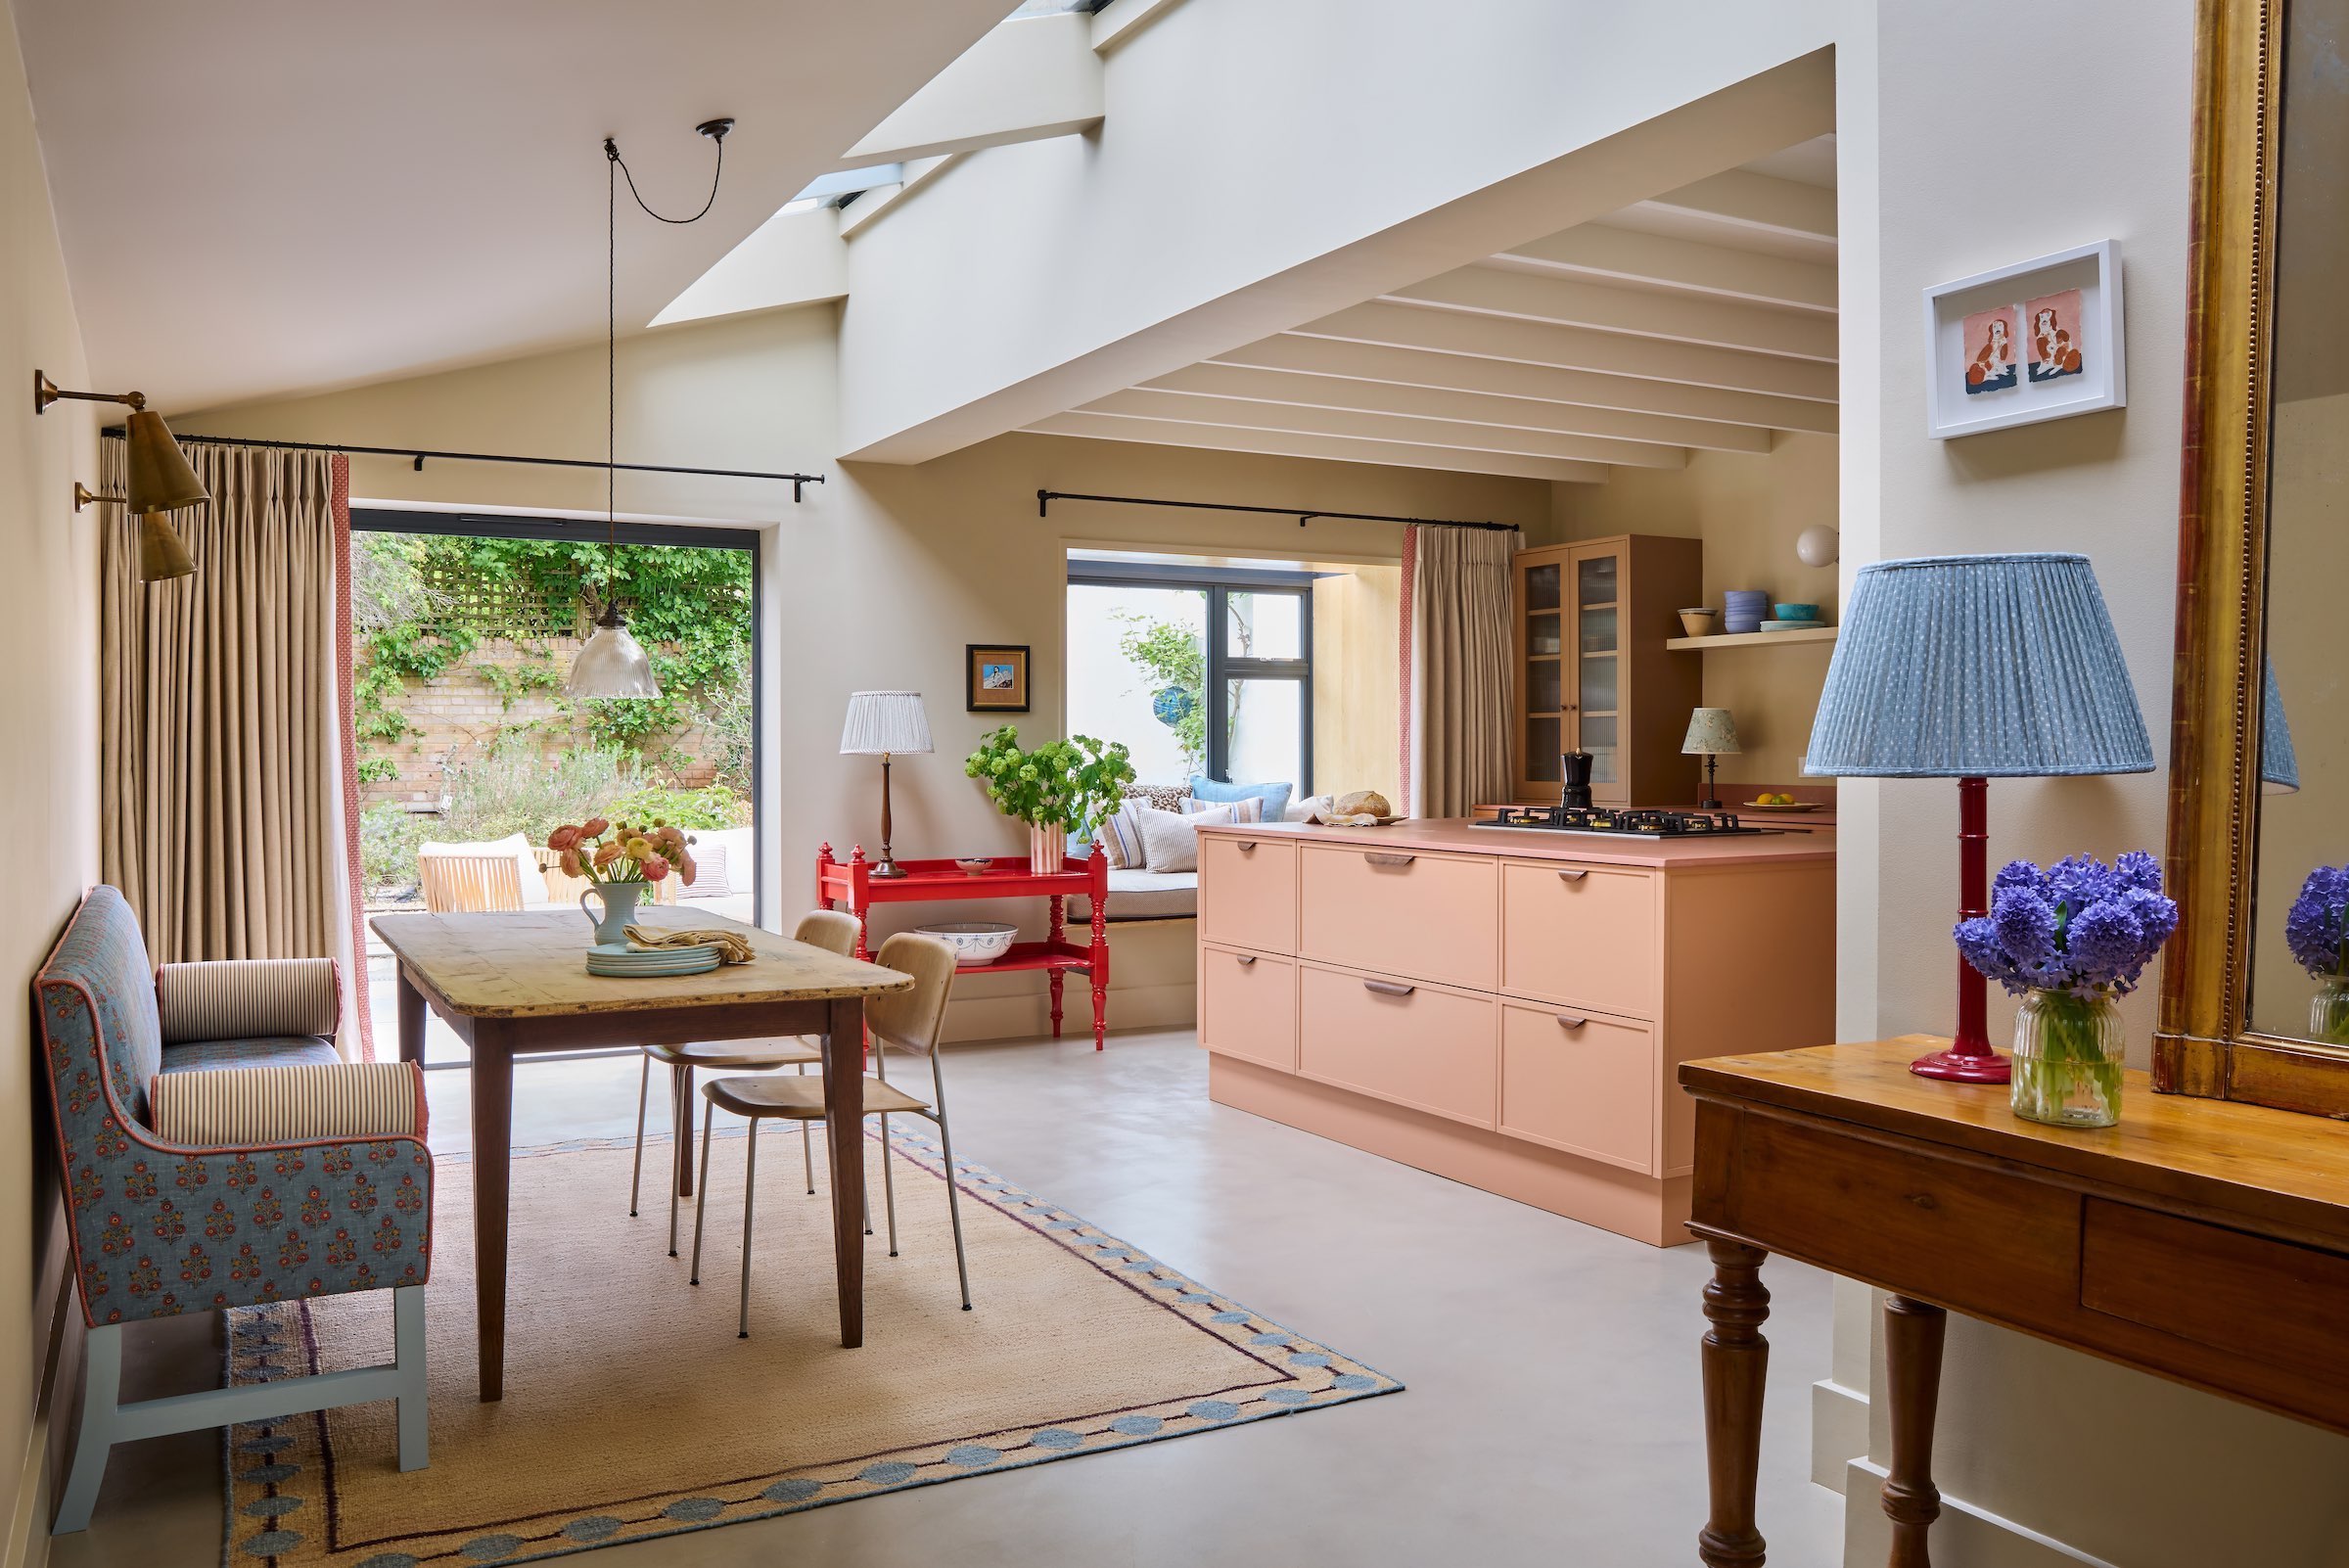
[(731, 948)]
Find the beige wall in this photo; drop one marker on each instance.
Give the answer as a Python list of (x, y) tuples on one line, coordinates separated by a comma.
[(2114, 1466), (1358, 673), (1747, 508), (886, 572), (49, 734)]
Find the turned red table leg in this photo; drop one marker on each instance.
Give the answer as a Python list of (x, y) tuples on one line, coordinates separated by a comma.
[(1736, 1360)]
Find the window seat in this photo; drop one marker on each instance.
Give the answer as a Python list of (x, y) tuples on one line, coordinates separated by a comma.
[(1143, 896)]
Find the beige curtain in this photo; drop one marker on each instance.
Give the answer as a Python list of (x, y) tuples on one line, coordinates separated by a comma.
[(221, 816), (1461, 668)]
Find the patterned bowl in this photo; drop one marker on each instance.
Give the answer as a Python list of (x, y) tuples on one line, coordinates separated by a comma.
[(975, 942), (975, 865)]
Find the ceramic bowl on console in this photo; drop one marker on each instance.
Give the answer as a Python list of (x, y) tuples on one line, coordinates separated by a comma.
[(975, 942)]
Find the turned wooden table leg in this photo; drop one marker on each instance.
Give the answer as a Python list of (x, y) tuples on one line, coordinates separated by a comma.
[(1736, 1358), (1912, 1336)]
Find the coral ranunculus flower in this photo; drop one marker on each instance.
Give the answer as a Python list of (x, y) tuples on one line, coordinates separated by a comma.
[(562, 837), (592, 827), (655, 867), (689, 870), (571, 863), (606, 853)]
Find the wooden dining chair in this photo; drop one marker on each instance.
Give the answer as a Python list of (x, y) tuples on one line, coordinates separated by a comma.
[(469, 883), (913, 1020), (827, 929)]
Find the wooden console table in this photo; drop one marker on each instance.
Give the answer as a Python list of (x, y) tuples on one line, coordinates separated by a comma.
[(2202, 1241), (853, 886)]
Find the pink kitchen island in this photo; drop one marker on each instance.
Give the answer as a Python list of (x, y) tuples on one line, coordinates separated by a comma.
[(1508, 1007)]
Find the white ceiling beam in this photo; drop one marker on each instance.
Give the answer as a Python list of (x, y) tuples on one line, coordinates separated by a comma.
[(1237, 413), (1414, 367), (1623, 256), (1739, 199), (1336, 448), (1457, 332), (1475, 407), (1024, 81), (792, 259), (1637, 313)]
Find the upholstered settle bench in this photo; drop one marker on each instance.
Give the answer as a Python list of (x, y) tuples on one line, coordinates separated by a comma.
[(216, 1153)]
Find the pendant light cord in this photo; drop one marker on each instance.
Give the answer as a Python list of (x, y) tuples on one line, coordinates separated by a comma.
[(719, 137)]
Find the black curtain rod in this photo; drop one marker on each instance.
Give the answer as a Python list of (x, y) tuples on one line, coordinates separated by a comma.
[(798, 480), (1045, 498)]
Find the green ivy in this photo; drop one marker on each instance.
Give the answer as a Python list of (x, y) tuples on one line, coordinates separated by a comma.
[(1172, 655)]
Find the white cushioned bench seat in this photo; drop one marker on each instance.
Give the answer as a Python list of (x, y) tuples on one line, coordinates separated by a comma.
[(1143, 896)]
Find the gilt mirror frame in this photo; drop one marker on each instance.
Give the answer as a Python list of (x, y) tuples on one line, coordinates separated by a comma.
[(2204, 1044)]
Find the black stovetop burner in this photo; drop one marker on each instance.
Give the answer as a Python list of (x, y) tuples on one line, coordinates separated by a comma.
[(1635, 823)]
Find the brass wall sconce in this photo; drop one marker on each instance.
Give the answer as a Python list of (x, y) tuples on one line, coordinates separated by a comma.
[(161, 478), (162, 555)]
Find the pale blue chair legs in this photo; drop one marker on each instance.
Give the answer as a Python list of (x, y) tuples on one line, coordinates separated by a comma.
[(106, 1421)]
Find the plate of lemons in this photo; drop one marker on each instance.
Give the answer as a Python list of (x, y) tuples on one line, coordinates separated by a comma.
[(1783, 802)]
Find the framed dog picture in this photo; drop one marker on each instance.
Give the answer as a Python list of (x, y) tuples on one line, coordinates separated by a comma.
[(2039, 339), (994, 678)]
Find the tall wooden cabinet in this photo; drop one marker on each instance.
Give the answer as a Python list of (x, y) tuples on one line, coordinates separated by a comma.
[(1593, 672)]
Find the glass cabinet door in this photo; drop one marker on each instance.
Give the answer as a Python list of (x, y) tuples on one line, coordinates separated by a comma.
[(1598, 581), (1544, 675)]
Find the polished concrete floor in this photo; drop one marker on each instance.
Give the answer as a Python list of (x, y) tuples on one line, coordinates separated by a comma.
[(1551, 1418)]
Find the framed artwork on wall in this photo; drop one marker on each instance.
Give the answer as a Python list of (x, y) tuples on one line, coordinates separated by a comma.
[(2039, 339), (994, 677)]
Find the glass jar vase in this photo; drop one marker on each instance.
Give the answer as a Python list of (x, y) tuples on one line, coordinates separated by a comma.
[(2328, 1010), (2068, 1060)]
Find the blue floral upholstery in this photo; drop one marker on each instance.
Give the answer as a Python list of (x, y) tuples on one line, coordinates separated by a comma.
[(158, 1228), (284, 1050)]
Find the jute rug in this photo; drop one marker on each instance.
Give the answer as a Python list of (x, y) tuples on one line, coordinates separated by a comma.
[(632, 1411)]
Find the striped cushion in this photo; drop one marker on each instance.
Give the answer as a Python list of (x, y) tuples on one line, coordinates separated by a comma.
[(1248, 808), (279, 1050), (1120, 839), (254, 1107), (247, 997)]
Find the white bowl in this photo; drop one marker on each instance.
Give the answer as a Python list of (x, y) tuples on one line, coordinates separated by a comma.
[(975, 942)]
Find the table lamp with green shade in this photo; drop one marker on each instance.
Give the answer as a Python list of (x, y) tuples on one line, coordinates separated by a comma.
[(1975, 668), (1712, 733)]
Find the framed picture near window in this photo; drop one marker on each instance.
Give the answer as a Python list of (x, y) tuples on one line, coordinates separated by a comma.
[(994, 677)]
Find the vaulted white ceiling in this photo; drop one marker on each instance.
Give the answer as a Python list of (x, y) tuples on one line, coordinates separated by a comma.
[(263, 196), (1700, 319)]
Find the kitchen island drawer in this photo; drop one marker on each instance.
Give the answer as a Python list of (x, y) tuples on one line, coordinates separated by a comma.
[(1248, 1006), (1429, 1048), (1248, 892), (1580, 1081), (1425, 916), (1585, 937)]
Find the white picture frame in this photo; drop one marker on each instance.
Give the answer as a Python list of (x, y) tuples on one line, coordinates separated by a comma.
[(1955, 405)]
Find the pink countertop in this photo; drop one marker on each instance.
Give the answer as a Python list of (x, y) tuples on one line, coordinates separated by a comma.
[(1454, 835)]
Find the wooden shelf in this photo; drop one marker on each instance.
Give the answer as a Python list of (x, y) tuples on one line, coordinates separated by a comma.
[(1749, 639)]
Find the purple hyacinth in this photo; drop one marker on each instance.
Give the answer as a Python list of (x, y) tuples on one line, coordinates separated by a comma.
[(2081, 926), (2316, 929)]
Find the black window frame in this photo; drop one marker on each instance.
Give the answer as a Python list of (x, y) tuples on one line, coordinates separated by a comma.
[(595, 530), (1219, 583)]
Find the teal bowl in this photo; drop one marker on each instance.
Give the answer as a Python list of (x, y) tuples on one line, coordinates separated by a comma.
[(1795, 612)]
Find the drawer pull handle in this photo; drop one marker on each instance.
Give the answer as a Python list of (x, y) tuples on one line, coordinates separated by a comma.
[(1247, 846), (1570, 1023), (1388, 987), (1390, 860), (1245, 957), (1572, 876)]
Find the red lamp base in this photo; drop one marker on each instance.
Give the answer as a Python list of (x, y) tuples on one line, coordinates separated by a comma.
[(1965, 1067)]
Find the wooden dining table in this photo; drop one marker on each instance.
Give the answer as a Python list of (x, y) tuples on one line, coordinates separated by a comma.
[(513, 984)]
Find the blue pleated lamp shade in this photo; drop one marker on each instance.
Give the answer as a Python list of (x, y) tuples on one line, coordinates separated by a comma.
[(2279, 763), (1978, 667)]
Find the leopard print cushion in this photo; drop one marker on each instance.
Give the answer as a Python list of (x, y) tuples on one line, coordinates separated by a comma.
[(1161, 797)]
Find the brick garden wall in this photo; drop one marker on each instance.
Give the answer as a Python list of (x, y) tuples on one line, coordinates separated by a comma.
[(463, 709)]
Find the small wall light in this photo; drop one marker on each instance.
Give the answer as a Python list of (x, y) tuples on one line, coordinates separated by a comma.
[(162, 555)]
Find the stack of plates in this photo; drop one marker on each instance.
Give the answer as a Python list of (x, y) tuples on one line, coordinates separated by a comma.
[(1791, 626), (622, 961), (1744, 609)]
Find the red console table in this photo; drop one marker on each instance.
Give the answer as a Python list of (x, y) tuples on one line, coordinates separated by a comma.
[(851, 885)]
